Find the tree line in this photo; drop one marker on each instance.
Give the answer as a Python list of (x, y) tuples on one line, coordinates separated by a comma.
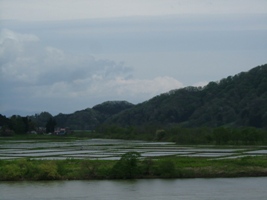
[(19, 125), (183, 136), (154, 132)]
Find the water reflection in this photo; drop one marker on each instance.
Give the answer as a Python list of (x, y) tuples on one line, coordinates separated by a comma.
[(190, 189)]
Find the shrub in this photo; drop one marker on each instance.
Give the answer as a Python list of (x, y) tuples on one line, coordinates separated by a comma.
[(166, 168), (147, 167), (28, 168), (47, 171), (89, 169), (10, 172), (127, 166)]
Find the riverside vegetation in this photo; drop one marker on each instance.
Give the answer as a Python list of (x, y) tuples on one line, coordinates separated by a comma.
[(130, 166)]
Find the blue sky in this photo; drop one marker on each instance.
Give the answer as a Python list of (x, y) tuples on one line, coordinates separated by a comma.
[(62, 56)]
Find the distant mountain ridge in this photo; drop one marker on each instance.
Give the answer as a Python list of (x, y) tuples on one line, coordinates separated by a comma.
[(89, 118), (239, 100)]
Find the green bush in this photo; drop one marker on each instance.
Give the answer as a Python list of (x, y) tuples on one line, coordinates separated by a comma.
[(147, 167), (127, 167), (89, 169), (47, 171), (166, 168), (28, 168), (10, 172)]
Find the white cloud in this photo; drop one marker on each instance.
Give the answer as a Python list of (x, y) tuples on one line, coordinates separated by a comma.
[(149, 87), (16, 62), (8, 34), (46, 76), (23, 58), (115, 88)]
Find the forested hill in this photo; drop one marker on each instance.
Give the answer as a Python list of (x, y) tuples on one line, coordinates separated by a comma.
[(239, 100), (89, 118)]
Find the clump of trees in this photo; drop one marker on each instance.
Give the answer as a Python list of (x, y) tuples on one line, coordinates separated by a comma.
[(181, 135), (127, 167), (16, 125), (19, 125), (50, 125)]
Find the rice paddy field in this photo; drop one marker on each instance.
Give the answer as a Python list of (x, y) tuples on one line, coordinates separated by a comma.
[(110, 149)]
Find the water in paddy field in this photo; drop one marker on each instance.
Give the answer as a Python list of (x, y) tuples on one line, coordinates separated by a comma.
[(107, 149), (155, 189)]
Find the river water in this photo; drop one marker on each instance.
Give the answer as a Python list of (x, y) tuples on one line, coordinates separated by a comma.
[(154, 189)]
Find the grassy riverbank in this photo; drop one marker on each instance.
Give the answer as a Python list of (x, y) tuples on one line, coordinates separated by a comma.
[(131, 167)]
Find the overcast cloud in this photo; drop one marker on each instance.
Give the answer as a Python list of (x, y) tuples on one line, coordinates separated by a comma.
[(63, 56)]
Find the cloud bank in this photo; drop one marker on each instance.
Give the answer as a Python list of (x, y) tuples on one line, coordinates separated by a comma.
[(65, 58), (35, 77)]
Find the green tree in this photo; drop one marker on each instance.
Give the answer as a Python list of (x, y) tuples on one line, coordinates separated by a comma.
[(166, 168), (127, 166), (160, 134), (50, 125), (221, 135), (41, 119), (18, 124), (4, 121)]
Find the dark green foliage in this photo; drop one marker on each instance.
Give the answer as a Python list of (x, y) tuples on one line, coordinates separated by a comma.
[(90, 118), (240, 100), (147, 167), (20, 125), (160, 134), (166, 168), (50, 125), (221, 136), (80, 120), (4, 121), (127, 167), (119, 132), (41, 119), (110, 108), (181, 135), (89, 169)]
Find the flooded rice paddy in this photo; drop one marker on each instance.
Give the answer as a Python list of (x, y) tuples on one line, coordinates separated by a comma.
[(107, 149)]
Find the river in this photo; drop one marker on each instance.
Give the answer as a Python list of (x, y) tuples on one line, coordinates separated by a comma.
[(154, 189)]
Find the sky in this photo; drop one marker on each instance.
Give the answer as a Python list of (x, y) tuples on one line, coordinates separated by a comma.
[(61, 56)]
